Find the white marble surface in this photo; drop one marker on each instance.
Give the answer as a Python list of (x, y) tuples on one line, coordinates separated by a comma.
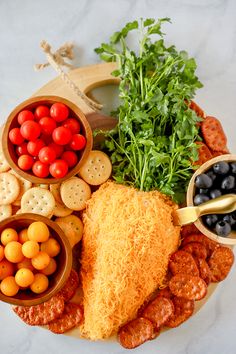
[(207, 29)]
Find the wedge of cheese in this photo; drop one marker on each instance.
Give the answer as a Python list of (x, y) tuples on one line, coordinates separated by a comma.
[(128, 238)]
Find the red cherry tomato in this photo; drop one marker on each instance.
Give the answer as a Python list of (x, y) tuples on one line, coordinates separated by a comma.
[(57, 148), (34, 147), (70, 157), (47, 155), (78, 142), (25, 115), (72, 124), (58, 169), (59, 111), (21, 149), (30, 130), (61, 136), (25, 162), (47, 125), (40, 169), (41, 111), (15, 136)]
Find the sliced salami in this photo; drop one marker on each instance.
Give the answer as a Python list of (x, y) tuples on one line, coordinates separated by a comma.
[(195, 107), (165, 292), (69, 289), (42, 314), (196, 249), (70, 318), (204, 270), (188, 230), (183, 262), (220, 263), (159, 311), (213, 134), (204, 154), (135, 333), (183, 309), (208, 243), (188, 286)]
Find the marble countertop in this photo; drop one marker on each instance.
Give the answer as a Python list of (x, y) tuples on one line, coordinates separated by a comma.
[(207, 30)]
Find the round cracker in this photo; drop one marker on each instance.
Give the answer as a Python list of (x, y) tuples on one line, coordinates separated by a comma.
[(68, 231), (75, 193), (61, 210), (55, 190), (9, 188), (41, 185), (96, 169), (5, 211), (24, 186), (4, 166), (39, 201), (76, 225)]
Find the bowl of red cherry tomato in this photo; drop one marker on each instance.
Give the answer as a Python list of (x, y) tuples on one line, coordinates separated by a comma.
[(46, 139)]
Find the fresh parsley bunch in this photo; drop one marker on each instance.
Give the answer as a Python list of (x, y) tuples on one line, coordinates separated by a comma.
[(153, 145)]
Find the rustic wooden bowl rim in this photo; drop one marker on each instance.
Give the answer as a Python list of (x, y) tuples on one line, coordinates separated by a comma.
[(231, 239), (67, 266), (47, 100)]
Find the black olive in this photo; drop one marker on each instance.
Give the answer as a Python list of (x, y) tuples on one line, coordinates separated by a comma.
[(203, 181), (203, 191), (211, 175), (228, 182), (233, 167), (200, 198), (211, 220), (230, 218), (221, 168), (214, 193), (223, 228)]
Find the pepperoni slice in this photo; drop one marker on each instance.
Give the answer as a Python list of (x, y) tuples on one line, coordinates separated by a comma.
[(204, 270), (165, 292), (196, 249), (188, 286), (220, 263), (70, 318), (42, 314), (183, 309), (183, 262), (207, 242), (159, 311), (195, 107), (213, 134), (135, 333), (69, 289), (188, 230), (204, 154)]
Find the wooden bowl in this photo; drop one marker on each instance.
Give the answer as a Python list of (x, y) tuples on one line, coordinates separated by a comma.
[(31, 104), (231, 238), (64, 260)]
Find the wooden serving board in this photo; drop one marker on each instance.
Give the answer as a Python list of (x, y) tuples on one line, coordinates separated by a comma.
[(87, 78)]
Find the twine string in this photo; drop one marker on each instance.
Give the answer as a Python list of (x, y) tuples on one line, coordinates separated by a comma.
[(56, 60)]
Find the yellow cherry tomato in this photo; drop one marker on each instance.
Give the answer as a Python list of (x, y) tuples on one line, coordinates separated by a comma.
[(38, 231), (1, 253), (30, 249), (26, 263), (9, 287), (23, 236), (51, 247), (13, 252), (51, 268), (8, 235), (24, 277), (6, 269), (40, 283), (40, 261)]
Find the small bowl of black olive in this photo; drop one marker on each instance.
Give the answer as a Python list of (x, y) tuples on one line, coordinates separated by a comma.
[(215, 178)]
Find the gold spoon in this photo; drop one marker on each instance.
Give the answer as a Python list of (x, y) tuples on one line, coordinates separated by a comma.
[(221, 205)]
